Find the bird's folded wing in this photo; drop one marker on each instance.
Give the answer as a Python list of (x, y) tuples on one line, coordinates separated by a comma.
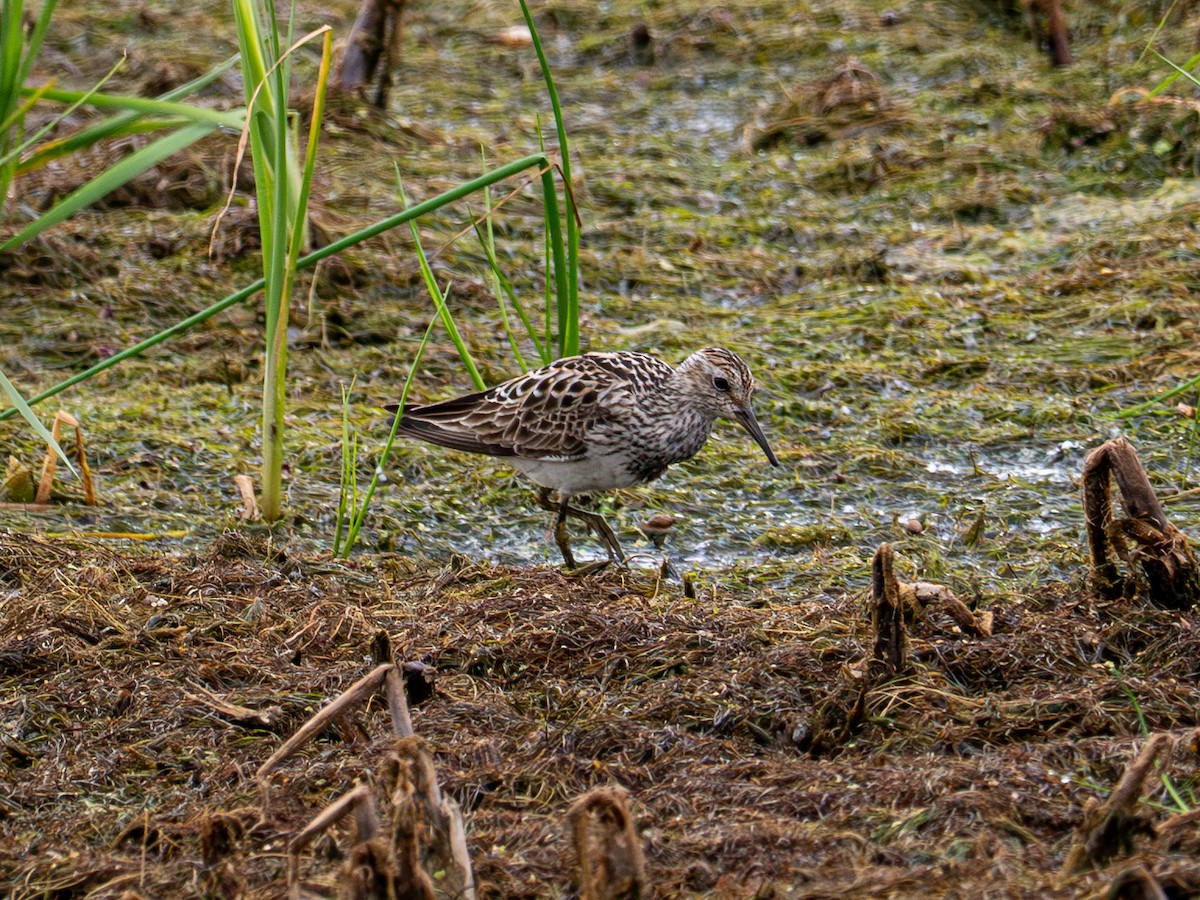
[(546, 413)]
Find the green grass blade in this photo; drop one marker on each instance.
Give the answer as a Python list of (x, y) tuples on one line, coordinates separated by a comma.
[(110, 180), (128, 123), (568, 299), (436, 293), (1171, 394), (443, 310), (568, 325), (300, 223), (34, 45), (307, 261), (348, 484), (18, 403), (509, 292), (151, 106), (21, 110), (12, 45), (361, 512), (500, 285), (53, 123), (1180, 72)]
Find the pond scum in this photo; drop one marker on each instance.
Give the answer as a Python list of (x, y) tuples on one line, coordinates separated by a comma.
[(942, 257)]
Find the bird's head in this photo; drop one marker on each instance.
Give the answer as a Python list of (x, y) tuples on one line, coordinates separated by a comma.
[(721, 385)]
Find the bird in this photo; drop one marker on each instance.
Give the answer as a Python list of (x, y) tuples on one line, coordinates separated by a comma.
[(594, 422)]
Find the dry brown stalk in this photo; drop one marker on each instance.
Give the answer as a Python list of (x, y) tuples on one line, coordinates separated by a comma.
[(1135, 883), (843, 711), (427, 833), (374, 872), (357, 801), (1108, 828), (887, 612), (352, 696), (1171, 570), (426, 826), (608, 848), (1167, 830), (920, 595), (372, 49), (238, 715), (50, 463)]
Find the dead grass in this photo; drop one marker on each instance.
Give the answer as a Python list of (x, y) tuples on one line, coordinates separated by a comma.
[(968, 775)]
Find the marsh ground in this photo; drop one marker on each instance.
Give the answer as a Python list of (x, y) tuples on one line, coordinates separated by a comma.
[(951, 268)]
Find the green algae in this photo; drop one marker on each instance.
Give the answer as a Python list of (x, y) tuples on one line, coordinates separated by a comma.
[(984, 258)]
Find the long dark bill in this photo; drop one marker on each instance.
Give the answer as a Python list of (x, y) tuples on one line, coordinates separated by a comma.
[(746, 419)]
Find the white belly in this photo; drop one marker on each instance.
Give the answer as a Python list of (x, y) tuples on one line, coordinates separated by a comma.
[(576, 476)]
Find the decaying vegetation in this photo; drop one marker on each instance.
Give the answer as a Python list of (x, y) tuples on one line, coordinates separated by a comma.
[(1162, 550), (156, 687), (372, 49)]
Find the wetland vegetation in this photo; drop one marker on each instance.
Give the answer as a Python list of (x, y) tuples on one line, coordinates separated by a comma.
[(953, 268)]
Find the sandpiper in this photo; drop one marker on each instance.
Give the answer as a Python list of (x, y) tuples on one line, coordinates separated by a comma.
[(595, 422)]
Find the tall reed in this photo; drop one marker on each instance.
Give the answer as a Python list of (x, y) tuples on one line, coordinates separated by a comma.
[(282, 186)]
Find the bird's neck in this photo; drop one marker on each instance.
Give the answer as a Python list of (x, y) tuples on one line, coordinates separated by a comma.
[(690, 424)]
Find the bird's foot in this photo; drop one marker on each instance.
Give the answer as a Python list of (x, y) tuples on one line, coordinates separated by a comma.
[(559, 531), (602, 530)]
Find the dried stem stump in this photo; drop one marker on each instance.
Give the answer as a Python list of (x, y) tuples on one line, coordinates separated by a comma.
[(1108, 829), (608, 849), (1162, 551), (426, 825), (372, 50), (427, 830), (887, 613)]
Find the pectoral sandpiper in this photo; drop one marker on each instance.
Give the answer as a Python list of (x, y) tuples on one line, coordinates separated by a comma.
[(595, 422)]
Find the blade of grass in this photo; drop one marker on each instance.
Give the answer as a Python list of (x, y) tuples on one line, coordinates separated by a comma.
[(568, 300), (21, 110), (1146, 406), (487, 240), (435, 292), (348, 484), (439, 299), (34, 44), (1162, 23), (511, 294), (554, 240), (1180, 72), (18, 403), (17, 53), (109, 180), (300, 220), (537, 160), (53, 123), (127, 122), (360, 514), (231, 119)]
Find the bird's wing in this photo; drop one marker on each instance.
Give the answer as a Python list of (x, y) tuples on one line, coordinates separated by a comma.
[(545, 414)]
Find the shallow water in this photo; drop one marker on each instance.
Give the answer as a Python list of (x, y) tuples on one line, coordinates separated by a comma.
[(941, 309)]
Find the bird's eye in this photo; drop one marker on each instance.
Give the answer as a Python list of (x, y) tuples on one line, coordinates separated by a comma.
[(721, 383)]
